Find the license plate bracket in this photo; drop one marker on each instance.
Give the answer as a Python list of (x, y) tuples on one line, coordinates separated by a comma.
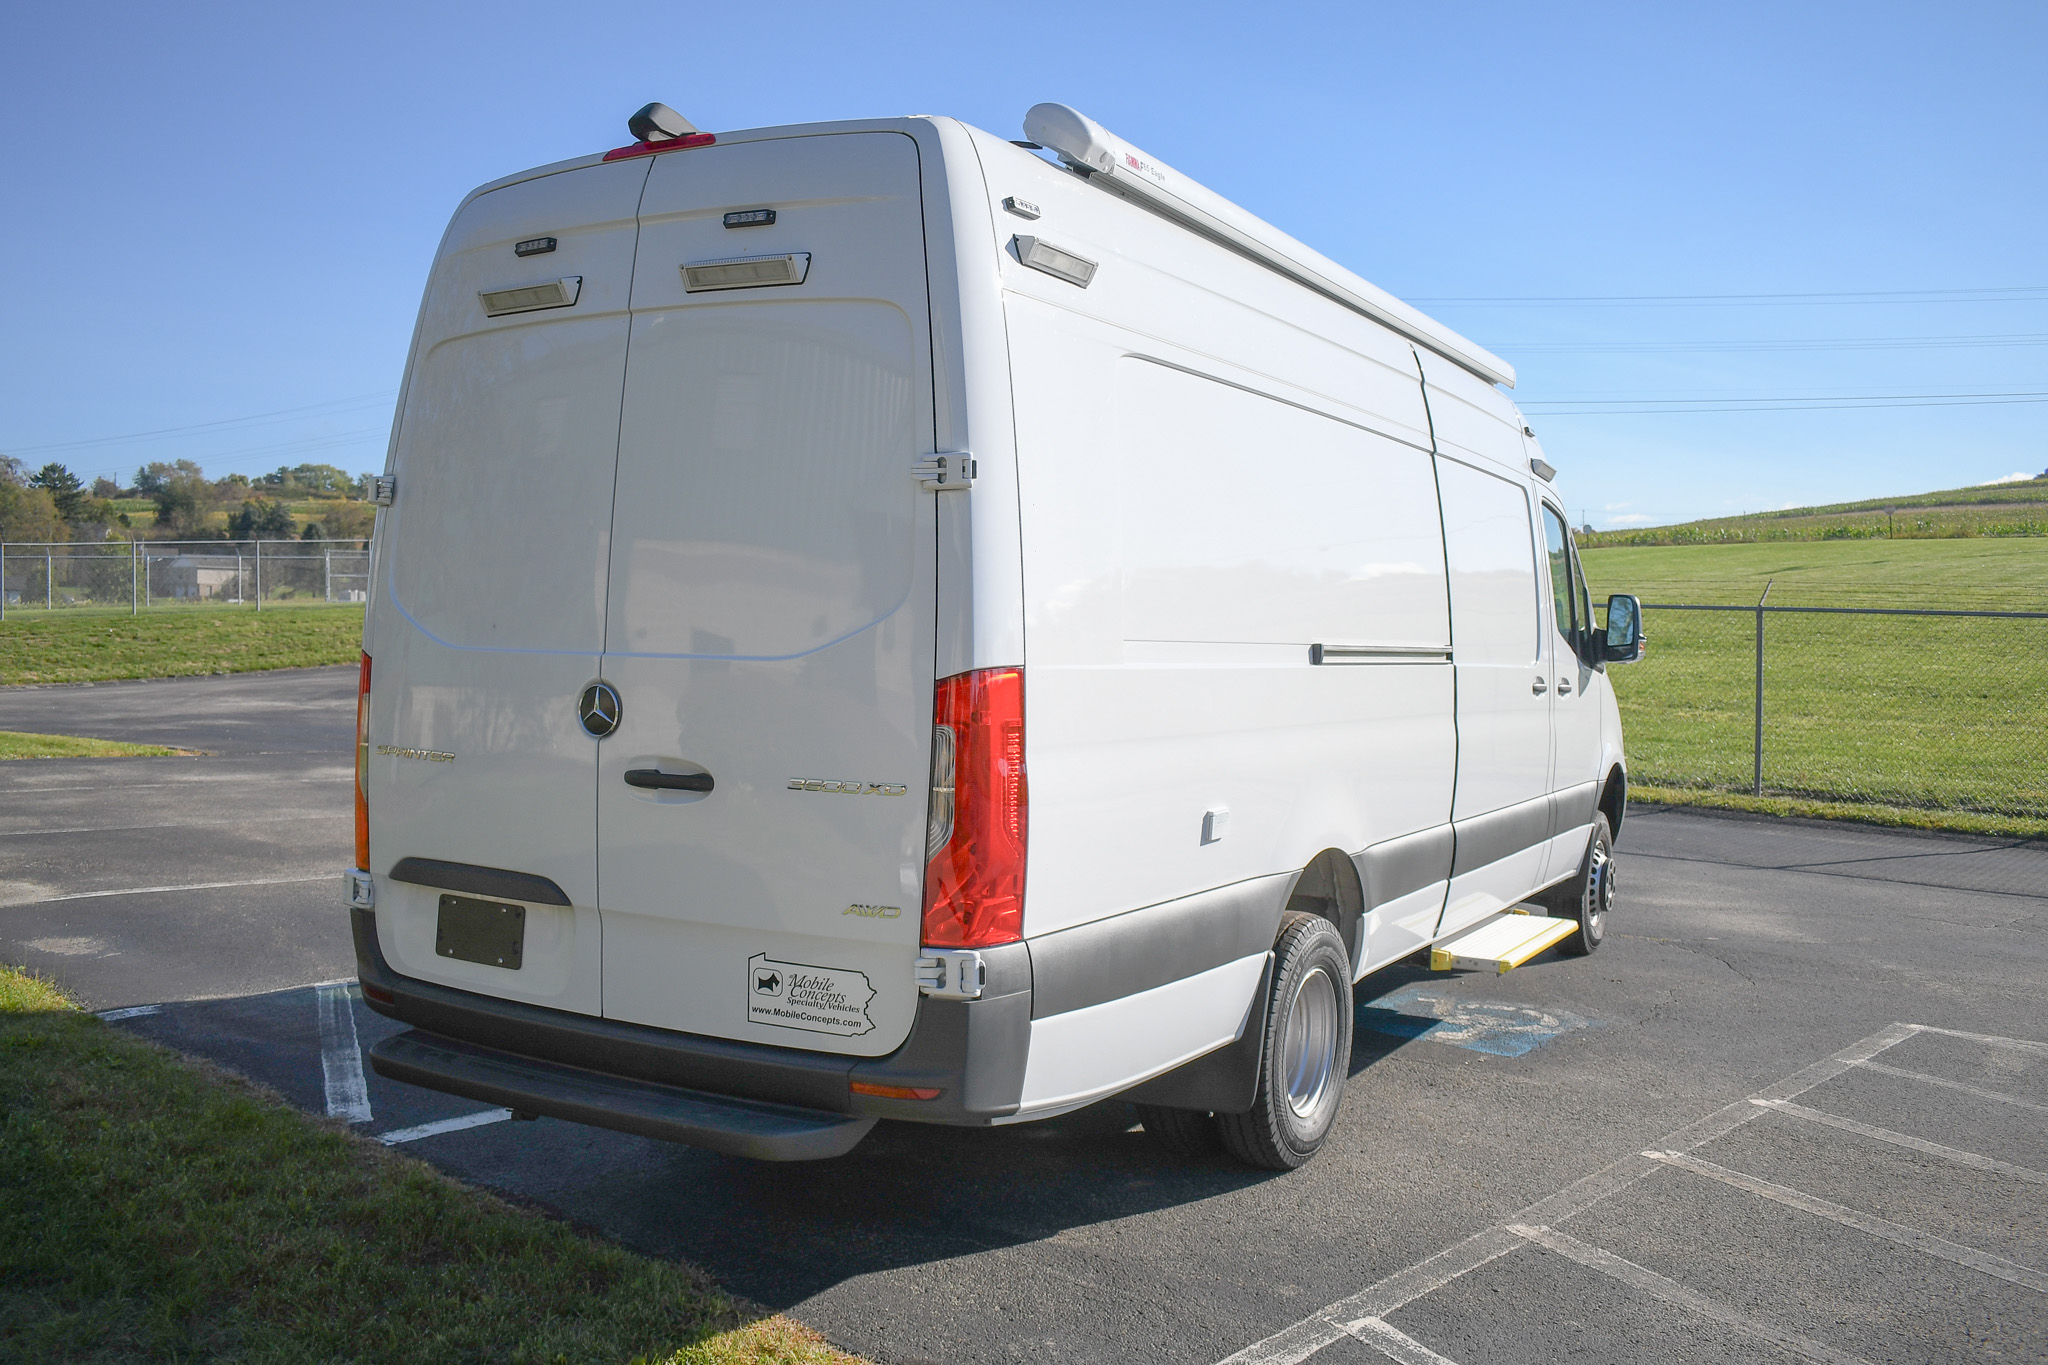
[(492, 933)]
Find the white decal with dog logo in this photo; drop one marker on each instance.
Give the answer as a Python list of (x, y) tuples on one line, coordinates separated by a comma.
[(819, 999)]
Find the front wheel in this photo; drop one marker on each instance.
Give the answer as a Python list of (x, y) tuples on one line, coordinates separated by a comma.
[(1590, 895), (1306, 1052)]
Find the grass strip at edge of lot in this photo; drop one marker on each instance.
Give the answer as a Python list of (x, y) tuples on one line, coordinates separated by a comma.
[(1895, 817), (156, 1207), (94, 645), (20, 744)]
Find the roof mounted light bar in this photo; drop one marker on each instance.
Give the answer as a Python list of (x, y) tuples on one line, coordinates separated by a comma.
[(1087, 146)]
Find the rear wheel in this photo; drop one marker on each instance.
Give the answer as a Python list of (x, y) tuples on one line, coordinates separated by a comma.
[(1305, 1054), (1184, 1132), (1588, 896)]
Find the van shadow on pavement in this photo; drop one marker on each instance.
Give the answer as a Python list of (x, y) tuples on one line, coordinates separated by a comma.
[(778, 1233)]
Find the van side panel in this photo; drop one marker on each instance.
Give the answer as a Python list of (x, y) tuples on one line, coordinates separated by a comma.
[(1216, 471)]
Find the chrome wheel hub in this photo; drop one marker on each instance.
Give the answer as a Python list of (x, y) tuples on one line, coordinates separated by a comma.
[(1309, 1045)]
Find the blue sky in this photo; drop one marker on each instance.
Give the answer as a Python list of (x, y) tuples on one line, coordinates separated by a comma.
[(223, 215)]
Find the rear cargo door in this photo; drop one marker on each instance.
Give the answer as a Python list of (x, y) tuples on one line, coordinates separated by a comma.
[(494, 556), (769, 610)]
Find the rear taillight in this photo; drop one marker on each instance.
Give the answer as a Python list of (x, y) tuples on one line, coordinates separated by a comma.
[(974, 874), (363, 767)]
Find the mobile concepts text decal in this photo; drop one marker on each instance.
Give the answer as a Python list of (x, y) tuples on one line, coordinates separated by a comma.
[(818, 999)]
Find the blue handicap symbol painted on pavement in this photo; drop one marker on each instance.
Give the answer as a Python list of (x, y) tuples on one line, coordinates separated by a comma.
[(1490, 1026)]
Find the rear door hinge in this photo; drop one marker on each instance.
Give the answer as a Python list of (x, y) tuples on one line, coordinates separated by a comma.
[(944, 472), (951, 973)]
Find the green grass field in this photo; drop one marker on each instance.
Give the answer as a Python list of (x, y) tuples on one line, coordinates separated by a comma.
[(1918, 720), (92, 645), (2002, 509), (14, 744), (1975, 575), (154, 1208)]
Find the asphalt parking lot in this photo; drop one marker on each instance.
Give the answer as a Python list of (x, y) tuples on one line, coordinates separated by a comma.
[(1793, 1109)]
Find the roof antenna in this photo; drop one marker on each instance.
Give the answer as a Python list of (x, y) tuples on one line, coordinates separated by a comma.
[(659, 123)]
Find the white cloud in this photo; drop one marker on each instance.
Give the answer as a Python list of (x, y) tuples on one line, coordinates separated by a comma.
[(1630, 519), (2007, 478)]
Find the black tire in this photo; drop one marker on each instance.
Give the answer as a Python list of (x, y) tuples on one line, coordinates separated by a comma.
[(1588, 896), (1183, 1132), (1305, 1056)]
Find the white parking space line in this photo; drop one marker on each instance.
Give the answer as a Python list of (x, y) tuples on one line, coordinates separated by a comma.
[(1299, 1341), (1398, 1344), (1948, 1084), (155, 890), (1672, 1292), (1866, 1222), (130, 1012), (341, 1059), (439, 1126), (1955, 1154), (1989, 1039)]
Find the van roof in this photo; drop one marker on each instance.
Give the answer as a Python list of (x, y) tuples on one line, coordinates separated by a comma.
[(1091, 150)]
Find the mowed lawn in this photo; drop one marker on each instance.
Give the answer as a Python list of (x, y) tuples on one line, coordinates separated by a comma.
[(1935, 719), (2009, 574), (155, 1208), (92, 645)]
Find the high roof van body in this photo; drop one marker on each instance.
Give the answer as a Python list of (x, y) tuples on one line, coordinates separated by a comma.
[(875, 620)]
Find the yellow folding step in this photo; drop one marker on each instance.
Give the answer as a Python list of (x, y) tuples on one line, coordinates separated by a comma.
[(1500, 944)]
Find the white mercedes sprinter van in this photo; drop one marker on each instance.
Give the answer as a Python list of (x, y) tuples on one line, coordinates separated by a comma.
[(873, 620)]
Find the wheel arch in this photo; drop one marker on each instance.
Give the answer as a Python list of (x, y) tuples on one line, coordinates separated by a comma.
[(1614, 799), (1329, 888)]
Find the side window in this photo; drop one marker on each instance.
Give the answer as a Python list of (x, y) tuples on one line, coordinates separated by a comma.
[(1561, 588)]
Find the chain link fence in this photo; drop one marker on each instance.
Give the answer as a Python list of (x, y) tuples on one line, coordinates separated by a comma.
[(150, 575), (1923, 709)]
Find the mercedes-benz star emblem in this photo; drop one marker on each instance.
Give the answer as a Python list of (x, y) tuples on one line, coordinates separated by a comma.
[(599, 709)]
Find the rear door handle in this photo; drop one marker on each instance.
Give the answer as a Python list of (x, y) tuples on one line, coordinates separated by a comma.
[(654, 779), (1539, 687), (1564, 685)]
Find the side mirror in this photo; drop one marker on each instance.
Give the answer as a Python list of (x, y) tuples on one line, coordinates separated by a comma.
[(1623, 643)]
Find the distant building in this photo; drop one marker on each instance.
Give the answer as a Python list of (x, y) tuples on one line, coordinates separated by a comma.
[(198, 577)]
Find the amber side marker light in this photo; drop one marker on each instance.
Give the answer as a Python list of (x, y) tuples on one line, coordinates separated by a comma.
[(894, 1092), (378, 994)]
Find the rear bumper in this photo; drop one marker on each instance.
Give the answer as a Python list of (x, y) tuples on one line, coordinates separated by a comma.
[(751, 1128), (972, 1051)]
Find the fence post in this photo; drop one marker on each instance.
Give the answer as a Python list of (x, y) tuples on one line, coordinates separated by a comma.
[(259, 575), (1757, 779), (3, 580), (327, 574), (134, 577), (49, 571)]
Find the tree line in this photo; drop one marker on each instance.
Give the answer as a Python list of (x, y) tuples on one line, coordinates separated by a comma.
[(54, 504)]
